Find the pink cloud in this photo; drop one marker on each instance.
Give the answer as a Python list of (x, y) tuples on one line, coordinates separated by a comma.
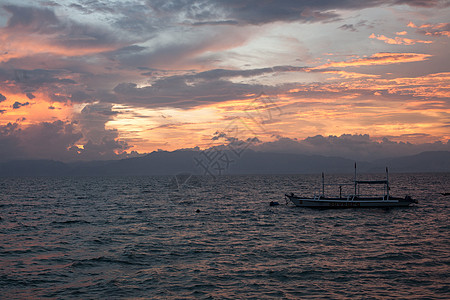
[(440, 29), (398, 40), (382, 58)]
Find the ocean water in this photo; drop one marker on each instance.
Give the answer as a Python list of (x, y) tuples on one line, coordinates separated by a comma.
[(181, 237)]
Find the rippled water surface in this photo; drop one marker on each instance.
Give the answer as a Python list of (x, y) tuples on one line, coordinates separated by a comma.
[(198, 237)]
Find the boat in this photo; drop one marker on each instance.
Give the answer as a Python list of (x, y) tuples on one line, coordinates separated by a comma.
[(354, 199)]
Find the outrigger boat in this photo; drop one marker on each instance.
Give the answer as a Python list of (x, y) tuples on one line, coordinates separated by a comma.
[(354, 199)]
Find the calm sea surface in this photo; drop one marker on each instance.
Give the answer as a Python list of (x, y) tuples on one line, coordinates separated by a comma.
[(200, 237)]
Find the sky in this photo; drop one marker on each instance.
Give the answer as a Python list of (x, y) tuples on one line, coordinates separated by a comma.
[(89, 80)]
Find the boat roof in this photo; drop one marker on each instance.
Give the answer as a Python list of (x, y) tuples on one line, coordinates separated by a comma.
[(372, 181)]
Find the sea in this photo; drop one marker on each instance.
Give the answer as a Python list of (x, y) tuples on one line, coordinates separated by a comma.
[(203, 237)]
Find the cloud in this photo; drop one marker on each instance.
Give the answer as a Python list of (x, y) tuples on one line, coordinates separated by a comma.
[(361, 86), (398, 40), (92, 120), (60, 140), (2, 98), (223, 22), (220, 85), (348, 27), (18, 105), (248, 12), (31, 30), (33, 80), (46, 140), (53, 85), (382, 58), (196, 89), (84, 138), (179, 54), (421, 3), (177, 92), (261, 12), (441, 29), (98, 142)]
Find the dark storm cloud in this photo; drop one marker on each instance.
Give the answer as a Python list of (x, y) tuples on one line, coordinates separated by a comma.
[(2, 98), (97, 138), (125, 53), (256, 12), (18, 105), (225, 22), (80, 97), (32, 19), (421, 3), (66, 33), (59, 140), (29, 81), (176, 92), (35, 78), (96, 6), (17, 143), (186, 91), (218, 85), (223, 73)]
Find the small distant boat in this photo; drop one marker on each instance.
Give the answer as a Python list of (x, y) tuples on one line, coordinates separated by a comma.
[(355, 199)]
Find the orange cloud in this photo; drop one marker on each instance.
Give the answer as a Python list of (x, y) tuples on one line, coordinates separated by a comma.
[(363, 102), (39, 109), (348, 75), (398, 40), (381, 58), (440, 29), (15, 46), (432, 86)]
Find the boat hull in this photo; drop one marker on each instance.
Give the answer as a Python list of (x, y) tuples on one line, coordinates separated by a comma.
[(348, 203)]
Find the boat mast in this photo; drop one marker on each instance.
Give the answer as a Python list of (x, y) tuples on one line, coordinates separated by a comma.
[(387, 182), (355, 179)]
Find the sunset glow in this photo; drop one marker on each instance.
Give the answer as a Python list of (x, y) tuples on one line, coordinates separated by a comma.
[(142, 76)]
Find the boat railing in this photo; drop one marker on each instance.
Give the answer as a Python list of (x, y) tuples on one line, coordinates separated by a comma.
[(351, 197), (378, 196), (348, 197), (345, 194)]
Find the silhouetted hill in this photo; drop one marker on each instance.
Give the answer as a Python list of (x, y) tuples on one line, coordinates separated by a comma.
[(33, 168), (250, 162), (281, 163), (155, 163), (431, 161)]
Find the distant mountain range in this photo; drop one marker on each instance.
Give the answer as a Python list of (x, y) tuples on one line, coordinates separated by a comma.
[(226, 162)]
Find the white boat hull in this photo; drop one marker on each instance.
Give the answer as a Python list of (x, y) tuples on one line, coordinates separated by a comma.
[(349, 203)]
